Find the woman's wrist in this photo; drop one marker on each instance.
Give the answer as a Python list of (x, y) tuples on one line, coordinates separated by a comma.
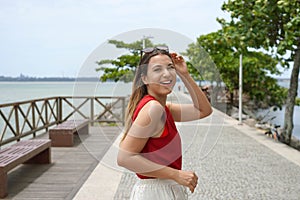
[(175, 174)]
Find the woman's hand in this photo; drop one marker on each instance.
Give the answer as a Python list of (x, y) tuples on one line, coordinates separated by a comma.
[(180, 64), (188, 179)]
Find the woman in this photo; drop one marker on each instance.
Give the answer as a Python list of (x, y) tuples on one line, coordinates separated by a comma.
[(151, 146)]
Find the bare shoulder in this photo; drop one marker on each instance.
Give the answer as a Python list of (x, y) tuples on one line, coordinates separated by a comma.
[(149, 120), (151, 108)]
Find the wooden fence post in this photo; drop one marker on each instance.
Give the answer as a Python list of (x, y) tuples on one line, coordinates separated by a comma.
[(92, 111)]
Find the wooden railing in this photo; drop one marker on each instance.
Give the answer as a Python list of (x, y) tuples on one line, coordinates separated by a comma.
[(27, 118)]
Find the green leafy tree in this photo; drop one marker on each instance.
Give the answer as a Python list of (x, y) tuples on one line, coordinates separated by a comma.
[(224, 54), (272, 25), (123, 68)]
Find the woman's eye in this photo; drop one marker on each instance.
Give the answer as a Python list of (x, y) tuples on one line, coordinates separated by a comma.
[(157, 69)]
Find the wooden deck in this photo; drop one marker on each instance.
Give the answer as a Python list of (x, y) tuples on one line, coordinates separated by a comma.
[(69, 169)]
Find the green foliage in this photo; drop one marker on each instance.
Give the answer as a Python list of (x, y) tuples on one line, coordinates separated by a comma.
[(123, 68), (200, 65), (223, 60), (270, 24), (297, 102)]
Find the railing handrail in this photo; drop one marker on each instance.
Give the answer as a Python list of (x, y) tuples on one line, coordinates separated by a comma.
[(26, 101), (55, 97), (27, 117)]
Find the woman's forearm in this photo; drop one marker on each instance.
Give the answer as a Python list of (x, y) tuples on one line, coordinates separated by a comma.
[(145, 167), (199, 99)]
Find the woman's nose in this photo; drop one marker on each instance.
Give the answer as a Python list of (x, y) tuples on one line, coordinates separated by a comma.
[(166, 73)]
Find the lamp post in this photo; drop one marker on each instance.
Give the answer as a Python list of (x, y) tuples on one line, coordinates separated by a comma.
[(144, 40), (240, 89)]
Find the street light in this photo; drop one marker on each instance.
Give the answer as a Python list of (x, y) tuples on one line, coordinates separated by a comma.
[(240, 89), (144, 40)]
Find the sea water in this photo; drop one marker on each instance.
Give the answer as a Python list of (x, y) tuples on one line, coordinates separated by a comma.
[(11, 92), (277, 116), (21, 91)]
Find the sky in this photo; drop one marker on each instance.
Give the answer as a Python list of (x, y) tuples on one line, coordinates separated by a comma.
[(54, 38)]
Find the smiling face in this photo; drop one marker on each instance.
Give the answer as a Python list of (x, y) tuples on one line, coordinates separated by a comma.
[(161, 76)]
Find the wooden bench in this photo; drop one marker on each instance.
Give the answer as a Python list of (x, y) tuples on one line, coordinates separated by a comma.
[(27, 151), (62, 135)]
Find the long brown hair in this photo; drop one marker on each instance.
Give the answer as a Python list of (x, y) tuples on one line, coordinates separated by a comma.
[(139, 89)]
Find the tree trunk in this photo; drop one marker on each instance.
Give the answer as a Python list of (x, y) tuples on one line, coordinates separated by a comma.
[(290, 102)]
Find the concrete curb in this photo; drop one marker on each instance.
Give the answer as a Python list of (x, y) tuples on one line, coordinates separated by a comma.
[(103, 182)]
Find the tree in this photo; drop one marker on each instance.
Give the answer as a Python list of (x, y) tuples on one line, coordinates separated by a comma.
[(123, 68), (224, 54), (272, 25)]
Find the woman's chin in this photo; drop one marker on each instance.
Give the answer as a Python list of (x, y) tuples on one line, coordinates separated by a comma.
[(162, 89), (167, 90)]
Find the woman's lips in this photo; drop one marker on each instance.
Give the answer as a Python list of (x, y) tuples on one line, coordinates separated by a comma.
[(166, 82)]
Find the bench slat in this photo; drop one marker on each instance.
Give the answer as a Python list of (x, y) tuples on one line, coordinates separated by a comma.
[(5, 159), (62, 134), (34, 142), (71, 125), (25, 151), (20, 152)]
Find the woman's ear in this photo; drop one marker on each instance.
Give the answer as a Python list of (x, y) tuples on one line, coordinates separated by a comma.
[(144, 79)]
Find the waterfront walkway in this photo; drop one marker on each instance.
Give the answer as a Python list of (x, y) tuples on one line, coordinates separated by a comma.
[(232, 161)]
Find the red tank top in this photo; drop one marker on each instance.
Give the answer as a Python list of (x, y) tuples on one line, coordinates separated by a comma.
[(166, 149)]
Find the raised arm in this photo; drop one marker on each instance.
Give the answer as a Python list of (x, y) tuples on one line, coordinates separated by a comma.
[(200, 107)]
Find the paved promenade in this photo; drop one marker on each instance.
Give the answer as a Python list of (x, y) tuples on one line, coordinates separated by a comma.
[(232, 161)]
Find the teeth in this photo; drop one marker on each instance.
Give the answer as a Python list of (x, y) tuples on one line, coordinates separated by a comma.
[(166, 82)]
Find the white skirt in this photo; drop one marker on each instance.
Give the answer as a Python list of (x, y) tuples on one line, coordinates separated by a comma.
[(162, 189)]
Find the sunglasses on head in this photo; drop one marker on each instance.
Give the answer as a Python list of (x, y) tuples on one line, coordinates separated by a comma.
[(163, 49)]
